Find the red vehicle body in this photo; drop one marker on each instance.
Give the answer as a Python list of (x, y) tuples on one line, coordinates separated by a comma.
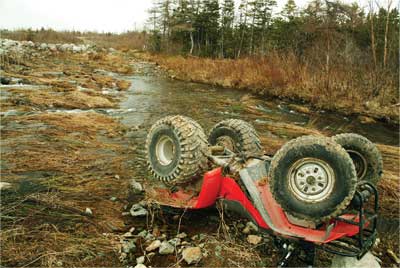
[(269, 216)]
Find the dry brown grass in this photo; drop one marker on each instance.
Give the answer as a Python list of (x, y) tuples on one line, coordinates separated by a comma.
[(68, 100), (284, 76), (123, 41), (48, 227)]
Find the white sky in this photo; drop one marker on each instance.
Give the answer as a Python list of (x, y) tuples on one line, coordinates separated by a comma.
[(82, 15)]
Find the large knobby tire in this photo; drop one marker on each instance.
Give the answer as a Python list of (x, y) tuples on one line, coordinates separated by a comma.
[(177, 149), (365, 155), (238, 136), (313, 178)]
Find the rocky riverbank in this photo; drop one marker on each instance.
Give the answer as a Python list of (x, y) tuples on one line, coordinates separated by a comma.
[(73, 125)]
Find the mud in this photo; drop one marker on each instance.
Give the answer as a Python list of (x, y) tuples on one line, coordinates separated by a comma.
[(72, 140)]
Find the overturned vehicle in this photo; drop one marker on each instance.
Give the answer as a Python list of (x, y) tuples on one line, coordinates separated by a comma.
[(315, 192)]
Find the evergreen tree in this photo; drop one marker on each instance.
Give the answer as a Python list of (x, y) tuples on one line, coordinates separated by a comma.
[(289, 11), (227, 20)]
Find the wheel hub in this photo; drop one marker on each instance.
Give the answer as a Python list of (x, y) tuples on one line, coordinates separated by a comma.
[(311, 180), (165, 150), (360, 163)]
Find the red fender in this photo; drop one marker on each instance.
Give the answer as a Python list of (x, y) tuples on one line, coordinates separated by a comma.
[(216, 186)]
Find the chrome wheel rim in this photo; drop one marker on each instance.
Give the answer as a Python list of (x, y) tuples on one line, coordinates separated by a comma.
[(311, 180), (165, 150)]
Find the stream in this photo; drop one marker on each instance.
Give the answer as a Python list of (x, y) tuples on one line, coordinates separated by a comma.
[(153, 96)]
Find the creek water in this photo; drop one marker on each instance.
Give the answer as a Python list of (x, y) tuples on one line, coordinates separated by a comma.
[(153, 96)]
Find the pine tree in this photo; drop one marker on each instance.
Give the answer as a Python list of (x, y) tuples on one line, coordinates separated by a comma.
[(227, 20), (289, 11), (242, 25), (210, 19)]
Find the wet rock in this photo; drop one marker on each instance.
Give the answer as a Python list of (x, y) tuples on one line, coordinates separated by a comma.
[(5, 80), (175, 242), (254, 239), (128, 235), (140, 265), (52, 47), (166, 248), (5, 186), (129, 246), (136, 187), (154, 245), (88, 212), (138, 211), (368, 260), (140, 260), (142, 234), (192, 255), (181, 235), (149, 237), (43, 46)]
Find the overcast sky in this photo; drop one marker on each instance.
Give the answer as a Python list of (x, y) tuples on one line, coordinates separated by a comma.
[(82, 15)]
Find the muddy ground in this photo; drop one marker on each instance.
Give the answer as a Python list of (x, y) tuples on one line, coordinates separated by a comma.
[(72, 138)]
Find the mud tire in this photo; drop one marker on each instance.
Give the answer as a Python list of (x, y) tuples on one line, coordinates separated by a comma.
[(365, 155), (343, 183), (242, 134), (189, 154)]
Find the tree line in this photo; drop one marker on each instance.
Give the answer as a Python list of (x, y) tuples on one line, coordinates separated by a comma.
[(325, 30)]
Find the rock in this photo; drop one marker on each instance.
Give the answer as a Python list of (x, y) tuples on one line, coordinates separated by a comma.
[(117, 177), (254, 239), (88, 212), (166, 248), (175, 242), (140, 265), (129, 246), (140, 260), (142, 234), (181, 235), (192, 255), (368, 260), (250, 227), (5, 186), (149, 237), (136, 187), (154, 245), (52, 47), (128, 235), (5, 80), (43, 46), (113, 199), (138, 211)]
